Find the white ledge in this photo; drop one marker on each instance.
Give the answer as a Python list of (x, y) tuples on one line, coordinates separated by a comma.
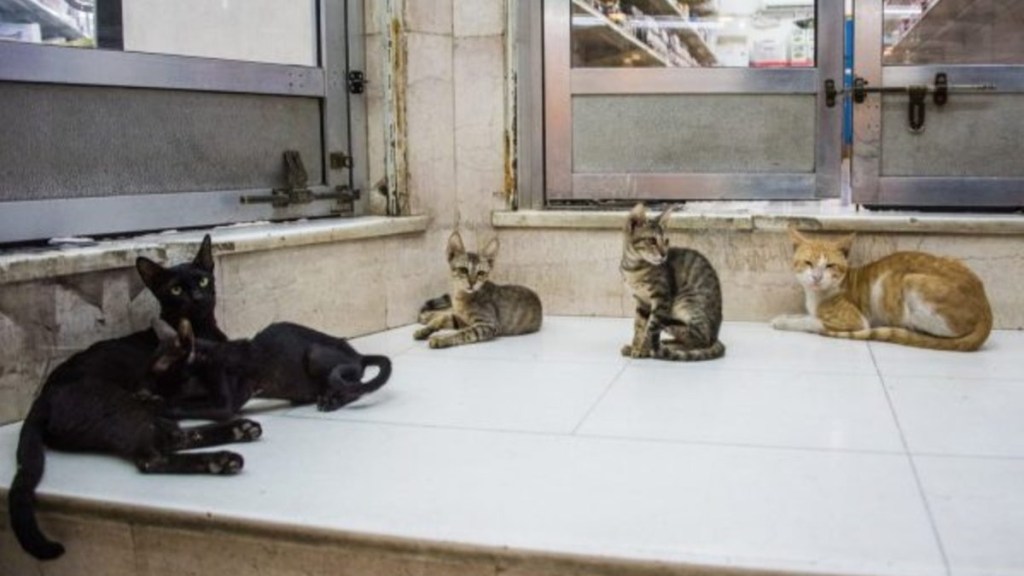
[(25, 264), (850, 221)]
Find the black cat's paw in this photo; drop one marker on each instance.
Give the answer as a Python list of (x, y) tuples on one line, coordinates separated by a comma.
[(332, 401), (224, 463), (246, 430)]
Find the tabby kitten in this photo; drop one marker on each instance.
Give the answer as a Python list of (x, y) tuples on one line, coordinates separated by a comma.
[(909, 298), (676, 291), (480, 310)]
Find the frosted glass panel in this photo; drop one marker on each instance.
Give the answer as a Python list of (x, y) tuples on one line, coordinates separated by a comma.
[(972, 135), (693, 133), (271, 31)]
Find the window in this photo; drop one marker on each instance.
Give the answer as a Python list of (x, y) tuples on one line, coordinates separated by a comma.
[(128, 115)]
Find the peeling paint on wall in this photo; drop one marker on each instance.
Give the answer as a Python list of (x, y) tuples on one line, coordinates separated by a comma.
[(395, 153)]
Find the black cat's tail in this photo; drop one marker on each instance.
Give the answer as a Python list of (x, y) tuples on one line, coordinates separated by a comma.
[(383, 364), (21, 499)]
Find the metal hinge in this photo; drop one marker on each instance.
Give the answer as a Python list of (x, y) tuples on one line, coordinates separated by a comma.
[(356, 82), (339, 160)]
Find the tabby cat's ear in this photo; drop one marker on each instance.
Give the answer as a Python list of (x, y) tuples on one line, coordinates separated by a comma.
[(204, 258), (152, 273), (490, 250), (637, 217), (455, 246), (845, 244), (665, 215), (796, 237)]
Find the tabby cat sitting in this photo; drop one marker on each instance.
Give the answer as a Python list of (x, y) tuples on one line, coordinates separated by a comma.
[(910, 298), (676, 291), (480, 309)]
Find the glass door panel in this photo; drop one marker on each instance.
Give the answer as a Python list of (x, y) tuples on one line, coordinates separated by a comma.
[(961, 152), (690, 99)]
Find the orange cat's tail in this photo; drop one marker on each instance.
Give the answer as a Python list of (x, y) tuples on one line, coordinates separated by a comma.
[(967, 343)]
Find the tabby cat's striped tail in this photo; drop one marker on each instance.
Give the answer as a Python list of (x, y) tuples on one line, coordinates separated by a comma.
[(668, 351), (966, 343)]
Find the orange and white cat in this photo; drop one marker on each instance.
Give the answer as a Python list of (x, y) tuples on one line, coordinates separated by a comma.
[(909, 298)]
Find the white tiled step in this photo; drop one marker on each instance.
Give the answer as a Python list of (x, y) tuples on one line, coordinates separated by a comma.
[(794, 453)]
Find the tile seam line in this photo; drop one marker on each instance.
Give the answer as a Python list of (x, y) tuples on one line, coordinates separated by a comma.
[(600, 398), (913, 467), (575, 435)]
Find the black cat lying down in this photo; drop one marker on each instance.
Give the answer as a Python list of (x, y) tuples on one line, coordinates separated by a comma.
[(90, 402), (96, 401), (284, 361)]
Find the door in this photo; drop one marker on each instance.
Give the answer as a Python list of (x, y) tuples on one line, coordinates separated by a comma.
[(963, 151), (690, 100)]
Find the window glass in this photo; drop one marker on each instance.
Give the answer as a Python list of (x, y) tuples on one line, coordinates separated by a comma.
[(919, 32), (270, 31), (693, 33)]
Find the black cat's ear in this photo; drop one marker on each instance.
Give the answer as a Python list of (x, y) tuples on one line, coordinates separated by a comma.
[(204, 258), (455, 246), (637, 217), (665, 215), (152, 274), (490, 250)]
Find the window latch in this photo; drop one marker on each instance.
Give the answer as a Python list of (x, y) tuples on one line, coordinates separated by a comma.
[(298, 192)]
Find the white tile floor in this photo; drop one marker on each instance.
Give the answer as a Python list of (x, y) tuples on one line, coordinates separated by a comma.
[(794, 452)]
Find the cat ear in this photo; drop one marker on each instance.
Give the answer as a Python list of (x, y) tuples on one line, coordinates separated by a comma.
[(845, 244), (796, 237), (163, 330), (665, 215), (455, 246), (204, 258), (490, 250), (637, 217), (152, 273)]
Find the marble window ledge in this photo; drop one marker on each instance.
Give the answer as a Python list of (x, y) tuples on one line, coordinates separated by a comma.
[(776, 219), (26, 264)]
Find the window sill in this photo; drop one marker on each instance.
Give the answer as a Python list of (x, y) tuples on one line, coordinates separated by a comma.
[(26, 264), (767, 217)]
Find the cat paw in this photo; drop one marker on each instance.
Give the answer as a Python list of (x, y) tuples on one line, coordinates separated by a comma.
[(246, 430), (438, 342), (627, 350), (333, 401), (422, 334), (224, 463)]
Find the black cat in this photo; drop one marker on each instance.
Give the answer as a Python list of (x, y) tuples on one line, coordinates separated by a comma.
[(284, 361), (95, 400)]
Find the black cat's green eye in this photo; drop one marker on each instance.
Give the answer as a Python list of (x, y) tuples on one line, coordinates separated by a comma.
[(204, 282), (176, 290)]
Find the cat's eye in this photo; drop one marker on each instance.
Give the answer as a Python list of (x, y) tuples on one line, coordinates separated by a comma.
[(204, 282), (807, 263), (176, 290), (462, 270)]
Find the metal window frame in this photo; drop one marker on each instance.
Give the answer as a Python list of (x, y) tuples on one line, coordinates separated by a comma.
[(869, 185), (561, 82), (343, 125)]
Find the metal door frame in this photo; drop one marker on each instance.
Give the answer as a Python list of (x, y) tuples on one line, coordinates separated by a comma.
[(562, 82), (340, 48), (869, 185)]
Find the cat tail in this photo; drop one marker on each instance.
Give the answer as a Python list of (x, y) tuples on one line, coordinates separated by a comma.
[(668, 351), (383, 364), (21, 499), (442, 302), (967, 343)]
